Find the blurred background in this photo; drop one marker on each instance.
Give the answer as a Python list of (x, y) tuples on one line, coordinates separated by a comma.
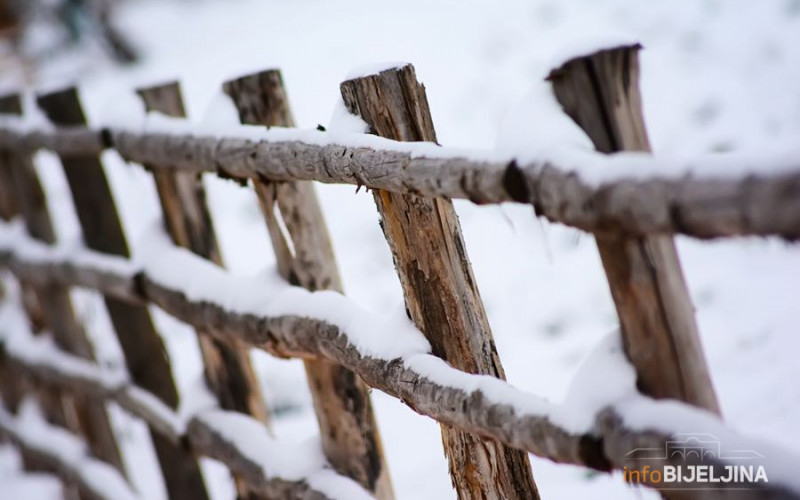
[(718, 78)]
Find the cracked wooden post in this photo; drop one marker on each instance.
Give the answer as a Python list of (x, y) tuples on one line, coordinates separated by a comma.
[(228, 370), (57, 314), (600, 92), (142, 347), (350, 437), (441, 295)]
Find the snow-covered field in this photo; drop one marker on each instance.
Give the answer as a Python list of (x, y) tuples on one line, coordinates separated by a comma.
[(716, 77)]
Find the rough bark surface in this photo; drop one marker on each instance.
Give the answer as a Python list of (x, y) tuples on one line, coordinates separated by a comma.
[(601, 94), (304, 253), (142, 347), (56, 313), (606, 448), (760, 204), (440, 292)]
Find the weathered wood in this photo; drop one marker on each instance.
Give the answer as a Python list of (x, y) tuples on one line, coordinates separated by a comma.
[(188, 220), (540, 433), (57, 314), (227, 366), (601, 94), (142, 347), (759, 204), (440, 292), (350, 437)]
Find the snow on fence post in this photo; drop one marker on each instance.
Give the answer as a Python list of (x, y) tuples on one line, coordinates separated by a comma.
[(600, 92), (142, 347), (350, 437), (57, 314), (228, 370), (440, 292)]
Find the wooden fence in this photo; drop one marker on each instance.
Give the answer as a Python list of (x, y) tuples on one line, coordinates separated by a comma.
[(488, 427)]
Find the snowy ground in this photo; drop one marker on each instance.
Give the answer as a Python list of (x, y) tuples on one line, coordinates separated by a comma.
[(716, 76)]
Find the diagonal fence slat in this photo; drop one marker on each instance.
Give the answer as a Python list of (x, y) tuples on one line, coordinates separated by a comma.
[(228, 370), (23, 189), (304, 254), (142, 347)]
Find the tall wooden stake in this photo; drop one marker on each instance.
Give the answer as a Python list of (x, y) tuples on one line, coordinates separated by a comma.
[(441, 295), (601, 93), (143, 348), (350, 437)]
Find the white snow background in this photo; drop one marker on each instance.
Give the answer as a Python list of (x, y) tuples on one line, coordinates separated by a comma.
[(717, 76)]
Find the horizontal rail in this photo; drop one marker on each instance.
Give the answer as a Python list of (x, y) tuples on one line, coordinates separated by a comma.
[(204, 432), (699, 205), (601, 438)]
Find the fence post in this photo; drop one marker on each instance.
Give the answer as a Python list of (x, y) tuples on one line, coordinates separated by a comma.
[(228, 370), (441, 295), (600, 92), (350, 436), (55, 303), (142, 347)]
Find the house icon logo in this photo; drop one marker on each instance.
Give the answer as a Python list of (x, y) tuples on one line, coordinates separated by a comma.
[(692, 448)]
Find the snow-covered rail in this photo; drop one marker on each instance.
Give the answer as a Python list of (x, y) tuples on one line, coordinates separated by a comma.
[(637, 194), (594, 427)]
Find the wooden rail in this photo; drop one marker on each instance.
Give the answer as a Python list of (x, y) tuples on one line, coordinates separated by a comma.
[(448, 368)]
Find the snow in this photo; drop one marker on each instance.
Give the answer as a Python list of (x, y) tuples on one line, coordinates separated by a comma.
[(31, 428), (177, 424), (719, 82), (345, 122), (291, 461), (589, 43), (221, 112), (14, 239), (41, 351), (269, 295), (365, 70), (541, 136), (604, 376)]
